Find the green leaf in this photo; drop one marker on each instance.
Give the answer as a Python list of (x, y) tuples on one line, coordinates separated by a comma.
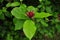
[(31, 8), (8, 14), (18, 24), (44, 23), (0, 12), (8, 5), (19, 13), (58, 27), (9, 37), (29, 28), (13, 4), (40, 0), (4, 9), (40, 6), (48, 9), (23, 7), (50, 35), (42, 15), (1, 0), (2, 16), (47, 2)]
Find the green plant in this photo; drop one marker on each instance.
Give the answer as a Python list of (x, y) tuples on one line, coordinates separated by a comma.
[(26, 18), (18, 21)]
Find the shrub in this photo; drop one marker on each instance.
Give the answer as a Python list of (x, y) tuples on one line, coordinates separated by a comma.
[(27, 20)]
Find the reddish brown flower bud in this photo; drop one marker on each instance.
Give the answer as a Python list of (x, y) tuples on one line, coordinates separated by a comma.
[(30, 14)]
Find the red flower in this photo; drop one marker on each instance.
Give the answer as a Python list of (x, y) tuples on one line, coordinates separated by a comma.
[(30, 14)]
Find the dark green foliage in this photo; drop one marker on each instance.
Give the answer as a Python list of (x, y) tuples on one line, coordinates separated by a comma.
[(16, 24)]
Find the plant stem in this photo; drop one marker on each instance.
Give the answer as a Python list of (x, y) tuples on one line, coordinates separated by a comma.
[(21, 2), (29, 39)]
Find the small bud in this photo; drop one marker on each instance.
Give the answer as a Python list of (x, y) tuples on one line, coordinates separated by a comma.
[(30, 14), (21, 0)]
